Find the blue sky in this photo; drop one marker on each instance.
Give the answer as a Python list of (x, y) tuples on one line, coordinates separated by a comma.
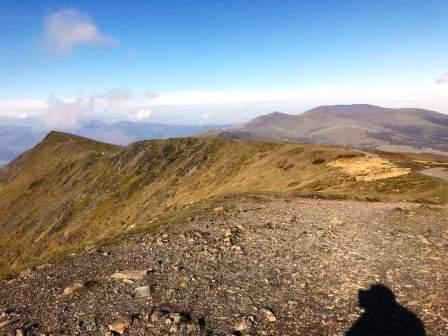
[(219, 61)]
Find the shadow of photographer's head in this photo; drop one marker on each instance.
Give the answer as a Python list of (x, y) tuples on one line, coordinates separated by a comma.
[(377, 298), (383, 315)]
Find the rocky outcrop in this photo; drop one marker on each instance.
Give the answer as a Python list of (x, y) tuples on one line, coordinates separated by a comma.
[(278, 267)]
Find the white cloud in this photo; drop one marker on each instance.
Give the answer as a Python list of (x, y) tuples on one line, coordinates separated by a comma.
[(14, 108), (142, 114), (68, 28), (64, 114), (67, 113), (24, 115), (216, 106), (442, 79)]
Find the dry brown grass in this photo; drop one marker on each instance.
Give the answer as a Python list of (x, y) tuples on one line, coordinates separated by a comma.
[(69, 193), (369, 168)]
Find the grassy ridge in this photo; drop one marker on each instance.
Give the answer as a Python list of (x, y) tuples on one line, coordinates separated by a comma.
[(69, 192)]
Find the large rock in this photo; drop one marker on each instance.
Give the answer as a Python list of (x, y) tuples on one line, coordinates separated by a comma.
[(72, 290), (120, 325), (130, 275), (269, 315), (143, 292)]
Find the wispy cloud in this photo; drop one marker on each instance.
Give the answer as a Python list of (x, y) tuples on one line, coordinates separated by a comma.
[(57, 112), (209, 106), (69, 28), (67, 113), (442, 79), (12, 107), (142, 114), (64, 114)]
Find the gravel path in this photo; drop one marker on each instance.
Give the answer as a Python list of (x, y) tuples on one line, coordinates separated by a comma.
[(283, 267)]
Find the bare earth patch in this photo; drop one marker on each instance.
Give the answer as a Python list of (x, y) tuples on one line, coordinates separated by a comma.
[(369, 168)]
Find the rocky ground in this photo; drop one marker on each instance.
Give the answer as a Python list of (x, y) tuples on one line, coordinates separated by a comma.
[(282, 267)]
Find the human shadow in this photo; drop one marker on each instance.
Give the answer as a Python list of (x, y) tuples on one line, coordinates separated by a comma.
[(383, 316)]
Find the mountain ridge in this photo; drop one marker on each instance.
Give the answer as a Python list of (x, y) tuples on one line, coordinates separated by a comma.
[(357, 125), (18, 135), (70, 192)]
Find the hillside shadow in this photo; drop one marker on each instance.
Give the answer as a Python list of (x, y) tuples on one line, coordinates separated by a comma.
[(383, 316)]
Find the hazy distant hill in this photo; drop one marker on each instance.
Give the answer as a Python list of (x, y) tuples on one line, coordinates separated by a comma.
[(406, 129), (15, 139), (18, 135)]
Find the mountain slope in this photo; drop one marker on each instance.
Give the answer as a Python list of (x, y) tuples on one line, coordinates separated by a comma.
[(407, 130), (18, 135), (70, 192)]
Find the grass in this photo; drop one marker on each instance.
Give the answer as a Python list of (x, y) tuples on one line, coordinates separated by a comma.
[(69, 193)]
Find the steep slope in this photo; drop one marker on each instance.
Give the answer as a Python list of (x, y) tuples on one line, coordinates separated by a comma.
[(70, 192), (407, 130)]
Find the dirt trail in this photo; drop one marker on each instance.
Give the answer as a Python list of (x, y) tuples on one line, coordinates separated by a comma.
[(283, 267)]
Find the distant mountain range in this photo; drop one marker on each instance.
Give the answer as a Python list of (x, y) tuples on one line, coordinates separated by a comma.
[(387, 129), (17, 135), (365, 126)]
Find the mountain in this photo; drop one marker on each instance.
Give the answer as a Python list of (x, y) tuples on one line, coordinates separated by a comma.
[(365, 126), (18, 135), (126, 132), (70, 192)]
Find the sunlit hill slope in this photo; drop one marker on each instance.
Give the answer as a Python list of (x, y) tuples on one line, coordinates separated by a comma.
[(70, 192)]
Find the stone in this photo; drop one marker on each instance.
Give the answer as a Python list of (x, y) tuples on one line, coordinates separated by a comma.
[(130, 275), (20, 332), (176, 317), (227, 233), (192, 328), (157, 315), (143, 292), (121, 325), (423, 240), (44, 266), (26, 273), (412, 303), (71, 290), (335, 221), (219, 209), (268, 314), (242, 325)]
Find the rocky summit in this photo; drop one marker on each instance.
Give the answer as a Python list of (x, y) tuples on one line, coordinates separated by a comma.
[(255, 266)]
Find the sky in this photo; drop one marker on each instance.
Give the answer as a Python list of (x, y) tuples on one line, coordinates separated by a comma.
[(217, 62)]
